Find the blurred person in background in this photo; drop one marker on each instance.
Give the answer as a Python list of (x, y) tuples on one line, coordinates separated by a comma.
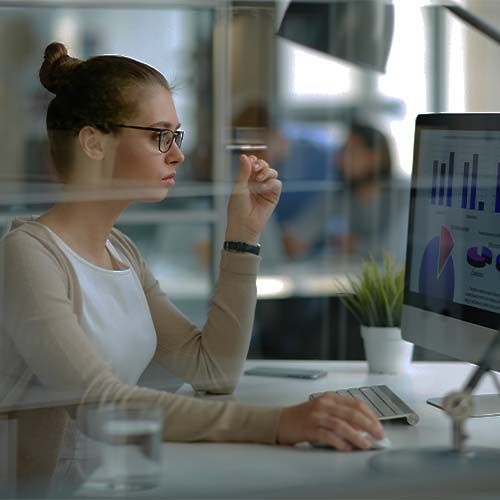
[(366, 215)]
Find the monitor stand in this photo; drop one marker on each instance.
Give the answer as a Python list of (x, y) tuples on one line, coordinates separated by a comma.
[(485, 405)]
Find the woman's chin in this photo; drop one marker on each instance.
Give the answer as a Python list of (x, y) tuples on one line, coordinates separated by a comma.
[(156, 195)]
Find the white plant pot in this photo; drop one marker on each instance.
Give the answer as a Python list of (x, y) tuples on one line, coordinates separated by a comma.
[(386, 351)]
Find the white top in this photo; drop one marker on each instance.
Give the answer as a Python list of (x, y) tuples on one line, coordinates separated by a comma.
[(115, 313)]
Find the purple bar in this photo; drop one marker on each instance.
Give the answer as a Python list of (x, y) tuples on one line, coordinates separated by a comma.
[(465, 184), (434, 181), (497, 201), (473, 182), (480, 205), (449, 191), (442, 176)]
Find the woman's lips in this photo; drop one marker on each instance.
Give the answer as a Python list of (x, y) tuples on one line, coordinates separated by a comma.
[(169, 180)]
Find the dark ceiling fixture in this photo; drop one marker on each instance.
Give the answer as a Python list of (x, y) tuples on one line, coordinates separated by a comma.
[(357, 31)]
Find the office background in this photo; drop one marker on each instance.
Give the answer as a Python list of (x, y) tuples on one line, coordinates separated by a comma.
[(236, 82)]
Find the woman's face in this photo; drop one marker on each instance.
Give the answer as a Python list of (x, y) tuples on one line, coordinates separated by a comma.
[(138, 162)]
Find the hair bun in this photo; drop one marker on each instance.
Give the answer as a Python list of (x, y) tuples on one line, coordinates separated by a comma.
[(56, 67)]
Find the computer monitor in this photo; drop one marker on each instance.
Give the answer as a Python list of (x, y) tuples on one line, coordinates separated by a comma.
[(452, 281)]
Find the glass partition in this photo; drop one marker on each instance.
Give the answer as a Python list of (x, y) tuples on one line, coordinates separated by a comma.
[(340, 136), (231, 89)]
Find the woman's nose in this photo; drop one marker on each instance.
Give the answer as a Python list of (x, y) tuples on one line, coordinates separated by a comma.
[(174, 155)]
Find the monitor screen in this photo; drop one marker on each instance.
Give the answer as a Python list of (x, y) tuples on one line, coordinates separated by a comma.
[(452, 275)]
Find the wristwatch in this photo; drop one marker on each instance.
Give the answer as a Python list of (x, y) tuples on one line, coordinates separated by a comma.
[(240, 246)]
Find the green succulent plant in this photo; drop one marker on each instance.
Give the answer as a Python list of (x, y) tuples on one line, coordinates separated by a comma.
[(375, 296)]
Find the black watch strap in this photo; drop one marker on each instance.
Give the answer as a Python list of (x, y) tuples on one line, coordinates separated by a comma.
[(240, 246)]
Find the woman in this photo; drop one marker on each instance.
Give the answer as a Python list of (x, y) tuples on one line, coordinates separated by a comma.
[(83, 313)]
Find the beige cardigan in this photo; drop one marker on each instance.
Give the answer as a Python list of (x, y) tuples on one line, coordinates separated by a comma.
[(41, 341)]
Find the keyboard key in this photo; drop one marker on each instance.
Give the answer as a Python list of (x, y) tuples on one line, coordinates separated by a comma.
[(377, 401), (379, 391), (357, 394)]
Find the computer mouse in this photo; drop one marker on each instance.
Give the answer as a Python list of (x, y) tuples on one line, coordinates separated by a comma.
[(377, 444)]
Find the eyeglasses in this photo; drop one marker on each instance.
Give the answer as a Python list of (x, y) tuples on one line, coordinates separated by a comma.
[(166, 137)]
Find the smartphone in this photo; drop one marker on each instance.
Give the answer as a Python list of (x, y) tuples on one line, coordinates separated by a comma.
[(273, 371)]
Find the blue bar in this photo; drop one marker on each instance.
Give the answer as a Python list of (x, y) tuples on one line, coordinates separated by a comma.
[(434, 182), (497, 201), (441, 183), (480, 205), (449, 191), (474, 182), (465, 184)]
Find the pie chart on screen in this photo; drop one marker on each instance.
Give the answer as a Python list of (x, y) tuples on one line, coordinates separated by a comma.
[(479, 257), (437, 273)]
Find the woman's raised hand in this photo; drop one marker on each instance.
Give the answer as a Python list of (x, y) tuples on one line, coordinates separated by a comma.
[(255, 194), (329, 419)]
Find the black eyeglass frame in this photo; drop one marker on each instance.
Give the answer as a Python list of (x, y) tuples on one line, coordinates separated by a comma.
[(177, 135)]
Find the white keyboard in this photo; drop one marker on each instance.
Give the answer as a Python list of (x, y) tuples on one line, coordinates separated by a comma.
[(382, 401)]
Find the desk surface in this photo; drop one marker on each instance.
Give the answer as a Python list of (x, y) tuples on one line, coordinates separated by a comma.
[(203, 470)]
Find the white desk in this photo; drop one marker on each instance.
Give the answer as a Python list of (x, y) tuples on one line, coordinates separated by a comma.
[(257, 471)]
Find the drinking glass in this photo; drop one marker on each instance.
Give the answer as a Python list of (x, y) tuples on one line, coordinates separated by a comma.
[(130, 447)]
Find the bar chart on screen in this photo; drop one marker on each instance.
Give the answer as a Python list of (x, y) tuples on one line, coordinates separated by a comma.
[(456, 213), (461, 177)]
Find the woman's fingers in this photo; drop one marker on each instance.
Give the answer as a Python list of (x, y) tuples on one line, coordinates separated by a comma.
[(266, 174), (329, 419), (326, 436), (262, 179), (345, 432), (359, 415), (346, 419), (355, 405), (270, 186), (261, 169)]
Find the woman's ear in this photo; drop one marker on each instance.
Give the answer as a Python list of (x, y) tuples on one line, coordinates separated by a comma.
[(92, 142)]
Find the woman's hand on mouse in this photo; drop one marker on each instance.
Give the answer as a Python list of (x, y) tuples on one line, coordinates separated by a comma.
[(254, 197), (329, 419)]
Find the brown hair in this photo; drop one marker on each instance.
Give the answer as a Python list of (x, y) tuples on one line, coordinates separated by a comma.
[(96, 92)]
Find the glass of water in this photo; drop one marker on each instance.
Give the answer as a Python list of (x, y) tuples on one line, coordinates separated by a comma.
[(130, 447)]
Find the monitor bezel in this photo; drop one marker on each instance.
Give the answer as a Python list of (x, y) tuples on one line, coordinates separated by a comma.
[(461, 312)]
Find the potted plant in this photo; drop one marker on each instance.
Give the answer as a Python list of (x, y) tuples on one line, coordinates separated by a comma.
[(375, 298)]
